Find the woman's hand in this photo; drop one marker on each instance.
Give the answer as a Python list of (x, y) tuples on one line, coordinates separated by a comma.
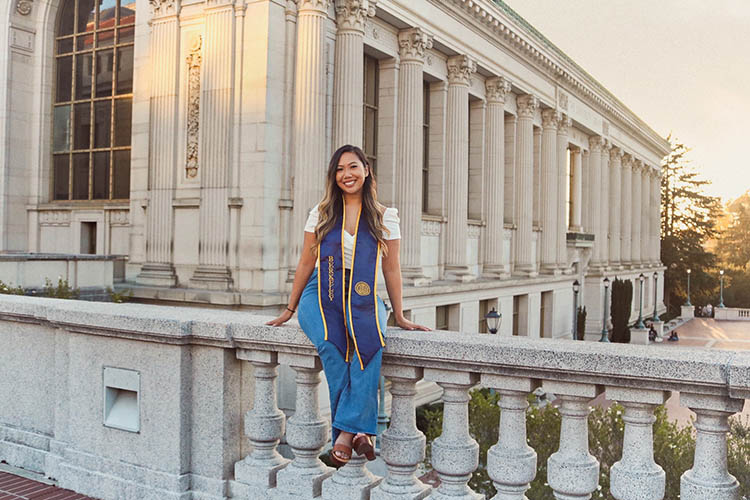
[(408, 325), (283, 318)]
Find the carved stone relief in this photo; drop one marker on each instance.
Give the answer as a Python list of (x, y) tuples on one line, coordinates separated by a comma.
[(23, 7), (194, 61)]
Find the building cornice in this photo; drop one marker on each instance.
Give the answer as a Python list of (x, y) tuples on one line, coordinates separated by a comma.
[(525, 40)]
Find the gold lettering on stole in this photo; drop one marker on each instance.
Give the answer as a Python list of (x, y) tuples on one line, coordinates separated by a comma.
[(330, 278)]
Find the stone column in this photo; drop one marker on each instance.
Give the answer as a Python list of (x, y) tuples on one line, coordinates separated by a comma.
[(596, 144), (576, 191), (215, 148), (563, 128), (306, 433), (403, 445), (511, 462), (635, 214), (615, 206), (656, 217), (309, 116), (605, 203), (525, 260), (264, 427), (409, 150), (625, 209), (348, 70), (646, 215), (460, 69), (709, 477), (587, 218), (455, 454), (162, 161), (497, 88), (549, 181), (636, 476), (572, 472)]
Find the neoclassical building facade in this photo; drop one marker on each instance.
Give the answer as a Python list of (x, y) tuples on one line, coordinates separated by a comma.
[(192, 137)]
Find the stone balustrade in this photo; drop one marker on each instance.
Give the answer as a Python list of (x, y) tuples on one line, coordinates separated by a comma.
[(732, 314), (714, 384)]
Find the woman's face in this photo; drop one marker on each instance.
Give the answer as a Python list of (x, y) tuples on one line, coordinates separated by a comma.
[(351, 173)]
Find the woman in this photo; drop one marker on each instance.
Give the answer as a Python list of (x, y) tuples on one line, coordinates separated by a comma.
[(347, 235)]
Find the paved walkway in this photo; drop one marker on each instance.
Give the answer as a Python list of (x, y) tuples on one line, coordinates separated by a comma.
[(707, 332), (22, 487)]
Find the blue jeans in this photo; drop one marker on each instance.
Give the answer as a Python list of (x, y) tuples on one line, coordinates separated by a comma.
[(353, 391)]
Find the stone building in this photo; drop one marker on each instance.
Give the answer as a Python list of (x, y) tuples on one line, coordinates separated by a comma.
[(192, 137)]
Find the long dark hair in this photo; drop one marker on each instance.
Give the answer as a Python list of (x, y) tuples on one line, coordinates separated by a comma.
[(332, 204)]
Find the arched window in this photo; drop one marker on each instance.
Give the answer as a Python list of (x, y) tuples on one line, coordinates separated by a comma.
[(93, 96)]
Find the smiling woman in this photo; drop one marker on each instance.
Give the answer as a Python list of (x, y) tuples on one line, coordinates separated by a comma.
[(345, 236)]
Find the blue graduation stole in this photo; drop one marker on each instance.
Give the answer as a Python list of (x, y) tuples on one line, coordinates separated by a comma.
[(361, 295)]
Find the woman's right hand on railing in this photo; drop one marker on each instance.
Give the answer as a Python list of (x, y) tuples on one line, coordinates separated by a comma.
[(283, 318)]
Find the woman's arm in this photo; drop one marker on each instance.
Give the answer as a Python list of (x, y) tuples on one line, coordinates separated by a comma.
[(394, 285), (304, 269)]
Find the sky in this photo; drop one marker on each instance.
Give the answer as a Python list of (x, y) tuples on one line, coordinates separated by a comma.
[(682, 66)]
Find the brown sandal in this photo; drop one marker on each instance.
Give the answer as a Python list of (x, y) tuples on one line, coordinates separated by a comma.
[(363, 446), (341, 454)]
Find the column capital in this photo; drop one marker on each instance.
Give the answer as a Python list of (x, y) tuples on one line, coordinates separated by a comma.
[(563, 124), (596, 143), (550, 118), (162, 8), (527, 105), (412, 44), (497, 88), (638, 165), (352, 14), (320, 6), (460, 69), (615, 154), (627, 160)]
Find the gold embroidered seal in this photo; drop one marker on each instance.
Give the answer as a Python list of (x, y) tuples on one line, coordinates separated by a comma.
[(362, 288)]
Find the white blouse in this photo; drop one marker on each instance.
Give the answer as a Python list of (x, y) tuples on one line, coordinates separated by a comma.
[(390, 220)]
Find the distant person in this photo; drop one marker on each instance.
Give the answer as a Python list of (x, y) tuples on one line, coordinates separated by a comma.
[(651, 333), (710, 312), (673, 336)]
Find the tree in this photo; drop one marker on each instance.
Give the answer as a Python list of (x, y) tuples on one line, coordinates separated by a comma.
[(734, 250), (688, 219)]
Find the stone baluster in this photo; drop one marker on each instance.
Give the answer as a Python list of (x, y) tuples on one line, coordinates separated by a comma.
[(626, 256), (409, 150), (403, 445), (525, 260), (455, 454), (497, 88), (215, 148), (460, 69), (596, 144), (576, 191), (563, 129), (511, 462), (615, 206), (348, 70), (572, 472), (264, 427), (353, 480), (636, 476), (164, 103), (709, 477), (306, 433), (309, 113), (635, 230), (549, 180)]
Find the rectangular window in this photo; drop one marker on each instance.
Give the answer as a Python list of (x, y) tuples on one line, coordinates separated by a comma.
[(441, 317), (425, 145), (516, 309), (370, 111)]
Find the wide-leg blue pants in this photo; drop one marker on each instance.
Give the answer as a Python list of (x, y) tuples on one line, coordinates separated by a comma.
[(353, 391)]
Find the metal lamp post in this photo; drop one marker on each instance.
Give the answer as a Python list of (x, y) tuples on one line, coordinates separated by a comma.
[(640, 324), (688, 290), (605, 333), (576, 289), (721, 289), (493, 319), (656, 282)]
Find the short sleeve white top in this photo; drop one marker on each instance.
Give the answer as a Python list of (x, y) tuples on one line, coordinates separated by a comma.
[(390, 220)]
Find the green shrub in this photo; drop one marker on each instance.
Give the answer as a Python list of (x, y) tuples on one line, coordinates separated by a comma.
[(674, 445), (60, 291), (622, 301), (119, 297), (11, 290)]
